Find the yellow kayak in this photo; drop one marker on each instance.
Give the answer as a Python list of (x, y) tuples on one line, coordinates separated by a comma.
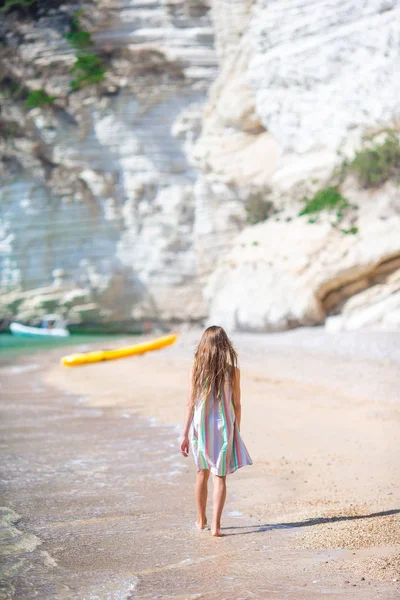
[(73, 360)]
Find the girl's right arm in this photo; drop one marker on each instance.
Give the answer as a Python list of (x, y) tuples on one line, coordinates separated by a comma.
[(184, 445), (236, 398)]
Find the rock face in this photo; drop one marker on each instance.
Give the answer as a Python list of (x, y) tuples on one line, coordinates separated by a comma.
[(309, 84), (323, 69), (378, 307), (285, 274), (99, 184), (137, 189)]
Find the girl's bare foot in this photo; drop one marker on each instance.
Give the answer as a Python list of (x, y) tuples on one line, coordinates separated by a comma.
[(201, 524), (216, 531)]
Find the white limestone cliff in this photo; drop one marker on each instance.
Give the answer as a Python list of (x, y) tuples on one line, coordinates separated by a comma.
[(310, 78), (137, 188), (283, 274)]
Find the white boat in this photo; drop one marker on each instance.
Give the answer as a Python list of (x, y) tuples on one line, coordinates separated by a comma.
[(51, 326)]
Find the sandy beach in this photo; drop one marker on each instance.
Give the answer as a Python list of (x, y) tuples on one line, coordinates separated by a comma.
[(317, 514)]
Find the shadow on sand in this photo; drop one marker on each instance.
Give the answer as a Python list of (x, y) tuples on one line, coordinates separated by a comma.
[(306, 523)]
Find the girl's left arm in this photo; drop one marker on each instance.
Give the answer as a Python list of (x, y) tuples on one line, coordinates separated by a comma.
[(184, 446)]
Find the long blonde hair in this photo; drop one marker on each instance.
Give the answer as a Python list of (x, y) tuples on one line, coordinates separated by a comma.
[(214, 355)]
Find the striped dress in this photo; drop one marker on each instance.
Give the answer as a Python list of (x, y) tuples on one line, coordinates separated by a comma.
[(215, 436)]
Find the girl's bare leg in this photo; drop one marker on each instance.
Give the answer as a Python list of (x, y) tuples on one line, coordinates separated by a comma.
[(201, 497), (219, 497)]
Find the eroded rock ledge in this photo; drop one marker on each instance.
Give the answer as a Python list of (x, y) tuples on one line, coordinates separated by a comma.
[(286, 274)]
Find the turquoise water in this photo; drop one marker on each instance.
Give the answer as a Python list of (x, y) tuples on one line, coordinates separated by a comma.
[(12, 346)]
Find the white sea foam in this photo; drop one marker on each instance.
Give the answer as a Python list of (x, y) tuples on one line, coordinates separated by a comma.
[(17, 369), (235, 514)]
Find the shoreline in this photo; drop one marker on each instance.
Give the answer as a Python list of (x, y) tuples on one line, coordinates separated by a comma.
[(324, 408), (107, 476)]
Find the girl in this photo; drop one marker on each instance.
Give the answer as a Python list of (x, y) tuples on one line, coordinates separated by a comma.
[(213, 417)]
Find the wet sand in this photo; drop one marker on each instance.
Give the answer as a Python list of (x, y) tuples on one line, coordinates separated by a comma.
[(106, 501)]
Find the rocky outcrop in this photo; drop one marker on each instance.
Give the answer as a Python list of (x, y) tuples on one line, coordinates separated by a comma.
[(288, 273), (141, 189), (99, 183), (377, 307), (302, 78), (323, 71), (234, 145), (311, 85)]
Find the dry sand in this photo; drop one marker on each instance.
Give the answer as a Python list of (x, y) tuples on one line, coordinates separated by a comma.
[(321, 421)]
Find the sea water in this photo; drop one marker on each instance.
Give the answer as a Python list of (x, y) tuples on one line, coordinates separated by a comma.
[(13, 346)]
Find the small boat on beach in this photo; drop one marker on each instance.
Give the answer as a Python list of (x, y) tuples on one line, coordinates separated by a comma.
[(85, 358), (50, 326)]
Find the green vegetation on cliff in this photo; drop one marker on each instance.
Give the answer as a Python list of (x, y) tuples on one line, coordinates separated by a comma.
[(38, 98), (9, 4), (328, 200), (78, 38), (378, 160), (88, 67), (257, 208), (30, 8)]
